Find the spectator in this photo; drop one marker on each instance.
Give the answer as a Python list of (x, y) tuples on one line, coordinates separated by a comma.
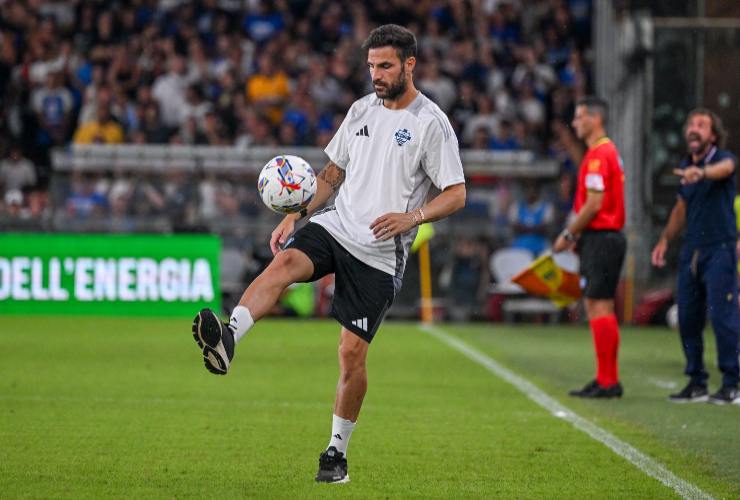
[(530, 218), (194, 106), (531, 109), (503, 139), (123, 72), (481, 138), (14, 204), (485, 117), (437, 86), (530, 71), (104, 129), (169, 92), (268, 89), (323, 88), (84, 201), (52, 105), (563, 203), (16, 172), (469, 279)]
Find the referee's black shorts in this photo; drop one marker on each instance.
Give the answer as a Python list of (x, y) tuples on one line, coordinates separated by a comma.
[(362, 294), (601, 254)]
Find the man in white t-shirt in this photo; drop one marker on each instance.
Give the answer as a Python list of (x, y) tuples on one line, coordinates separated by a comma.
[(391, 148)]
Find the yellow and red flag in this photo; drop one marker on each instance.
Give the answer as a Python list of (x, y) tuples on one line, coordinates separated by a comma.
[(545, 278)]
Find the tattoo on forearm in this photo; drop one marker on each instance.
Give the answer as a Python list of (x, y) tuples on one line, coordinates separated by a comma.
[(332, 175)]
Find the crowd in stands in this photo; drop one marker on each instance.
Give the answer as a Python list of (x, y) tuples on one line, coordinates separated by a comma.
[(271, 72)]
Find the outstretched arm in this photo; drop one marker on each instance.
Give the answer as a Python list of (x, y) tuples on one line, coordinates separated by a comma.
[(445, 203), (714, 172), (328, 182)]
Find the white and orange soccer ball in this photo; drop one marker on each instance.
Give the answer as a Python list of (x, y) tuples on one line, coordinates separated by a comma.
[(287, 184)]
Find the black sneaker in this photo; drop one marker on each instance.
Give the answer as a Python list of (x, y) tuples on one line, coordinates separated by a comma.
[(215, 339), (692, 393), (726, 395), (332, 467), (593, 390)]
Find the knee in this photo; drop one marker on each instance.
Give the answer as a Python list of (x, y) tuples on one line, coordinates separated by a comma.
[(352, 355), (286, 266), (599, 308)]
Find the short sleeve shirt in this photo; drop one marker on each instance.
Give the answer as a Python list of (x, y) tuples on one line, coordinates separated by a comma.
[(391, 158), (602, 171), (710, 217)]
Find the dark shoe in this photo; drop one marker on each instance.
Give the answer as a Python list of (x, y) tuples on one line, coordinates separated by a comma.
[(215, 339), (332, 467), (593, 390), (727, 395), (692, 393)]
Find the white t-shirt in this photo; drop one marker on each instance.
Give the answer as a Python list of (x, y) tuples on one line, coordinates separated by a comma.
[(391, 159)]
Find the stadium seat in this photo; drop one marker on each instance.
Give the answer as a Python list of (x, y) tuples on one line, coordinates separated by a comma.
[(568, 261), (504, 264)]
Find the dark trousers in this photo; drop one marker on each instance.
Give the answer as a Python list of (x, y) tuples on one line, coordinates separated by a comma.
[(707, 283)]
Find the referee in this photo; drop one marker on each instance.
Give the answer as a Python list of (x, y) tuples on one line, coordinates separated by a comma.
[(707, 267), (596, 235)]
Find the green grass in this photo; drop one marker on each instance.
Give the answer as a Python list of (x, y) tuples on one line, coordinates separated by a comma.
[(123, 408)]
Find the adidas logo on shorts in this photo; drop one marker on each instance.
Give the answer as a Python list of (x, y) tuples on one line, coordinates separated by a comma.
[(361, 324)]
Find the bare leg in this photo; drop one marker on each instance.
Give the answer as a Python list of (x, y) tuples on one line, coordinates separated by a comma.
[(352, 383), (596, 308), (288, 267)]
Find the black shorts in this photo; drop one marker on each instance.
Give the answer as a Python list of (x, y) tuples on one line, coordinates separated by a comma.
[(602, 255), (362, 294)]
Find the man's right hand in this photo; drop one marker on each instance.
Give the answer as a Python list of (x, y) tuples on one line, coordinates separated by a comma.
[(281, 233), (658, 256)]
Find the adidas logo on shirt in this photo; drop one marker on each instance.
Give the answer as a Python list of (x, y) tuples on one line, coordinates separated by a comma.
[(363, 132), (361, 324)]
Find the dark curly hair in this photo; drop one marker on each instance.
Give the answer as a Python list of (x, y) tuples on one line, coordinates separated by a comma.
[(717, 128), (394, 36)]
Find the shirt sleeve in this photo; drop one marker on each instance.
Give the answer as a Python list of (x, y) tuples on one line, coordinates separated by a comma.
[(725, 155), (442, 155), (597, 172), (338, 148)]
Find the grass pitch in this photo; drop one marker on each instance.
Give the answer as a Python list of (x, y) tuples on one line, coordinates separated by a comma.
[(123, 408)]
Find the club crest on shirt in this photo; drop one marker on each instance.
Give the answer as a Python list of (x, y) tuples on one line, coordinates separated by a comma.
[(402, 136)]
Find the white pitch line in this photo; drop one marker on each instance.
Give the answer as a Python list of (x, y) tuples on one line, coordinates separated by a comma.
[(643, 462)]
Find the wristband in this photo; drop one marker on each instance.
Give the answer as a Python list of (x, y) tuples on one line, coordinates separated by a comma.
[(303, 213)]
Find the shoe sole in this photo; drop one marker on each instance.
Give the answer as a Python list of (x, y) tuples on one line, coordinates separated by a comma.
[(722, 402), (344, 480), (700, 399), (207, 334)]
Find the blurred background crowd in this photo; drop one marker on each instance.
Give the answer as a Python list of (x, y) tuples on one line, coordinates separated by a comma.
[(276, 73), (272, 72)]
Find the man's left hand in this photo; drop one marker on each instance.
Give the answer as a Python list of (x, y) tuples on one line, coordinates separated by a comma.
[(389, 225), (561, 244)]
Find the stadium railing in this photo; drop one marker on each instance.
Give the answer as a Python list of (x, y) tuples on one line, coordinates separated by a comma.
[(132, 157), (240, 167)]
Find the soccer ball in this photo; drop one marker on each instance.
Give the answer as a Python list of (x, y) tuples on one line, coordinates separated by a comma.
[(287, 184)]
